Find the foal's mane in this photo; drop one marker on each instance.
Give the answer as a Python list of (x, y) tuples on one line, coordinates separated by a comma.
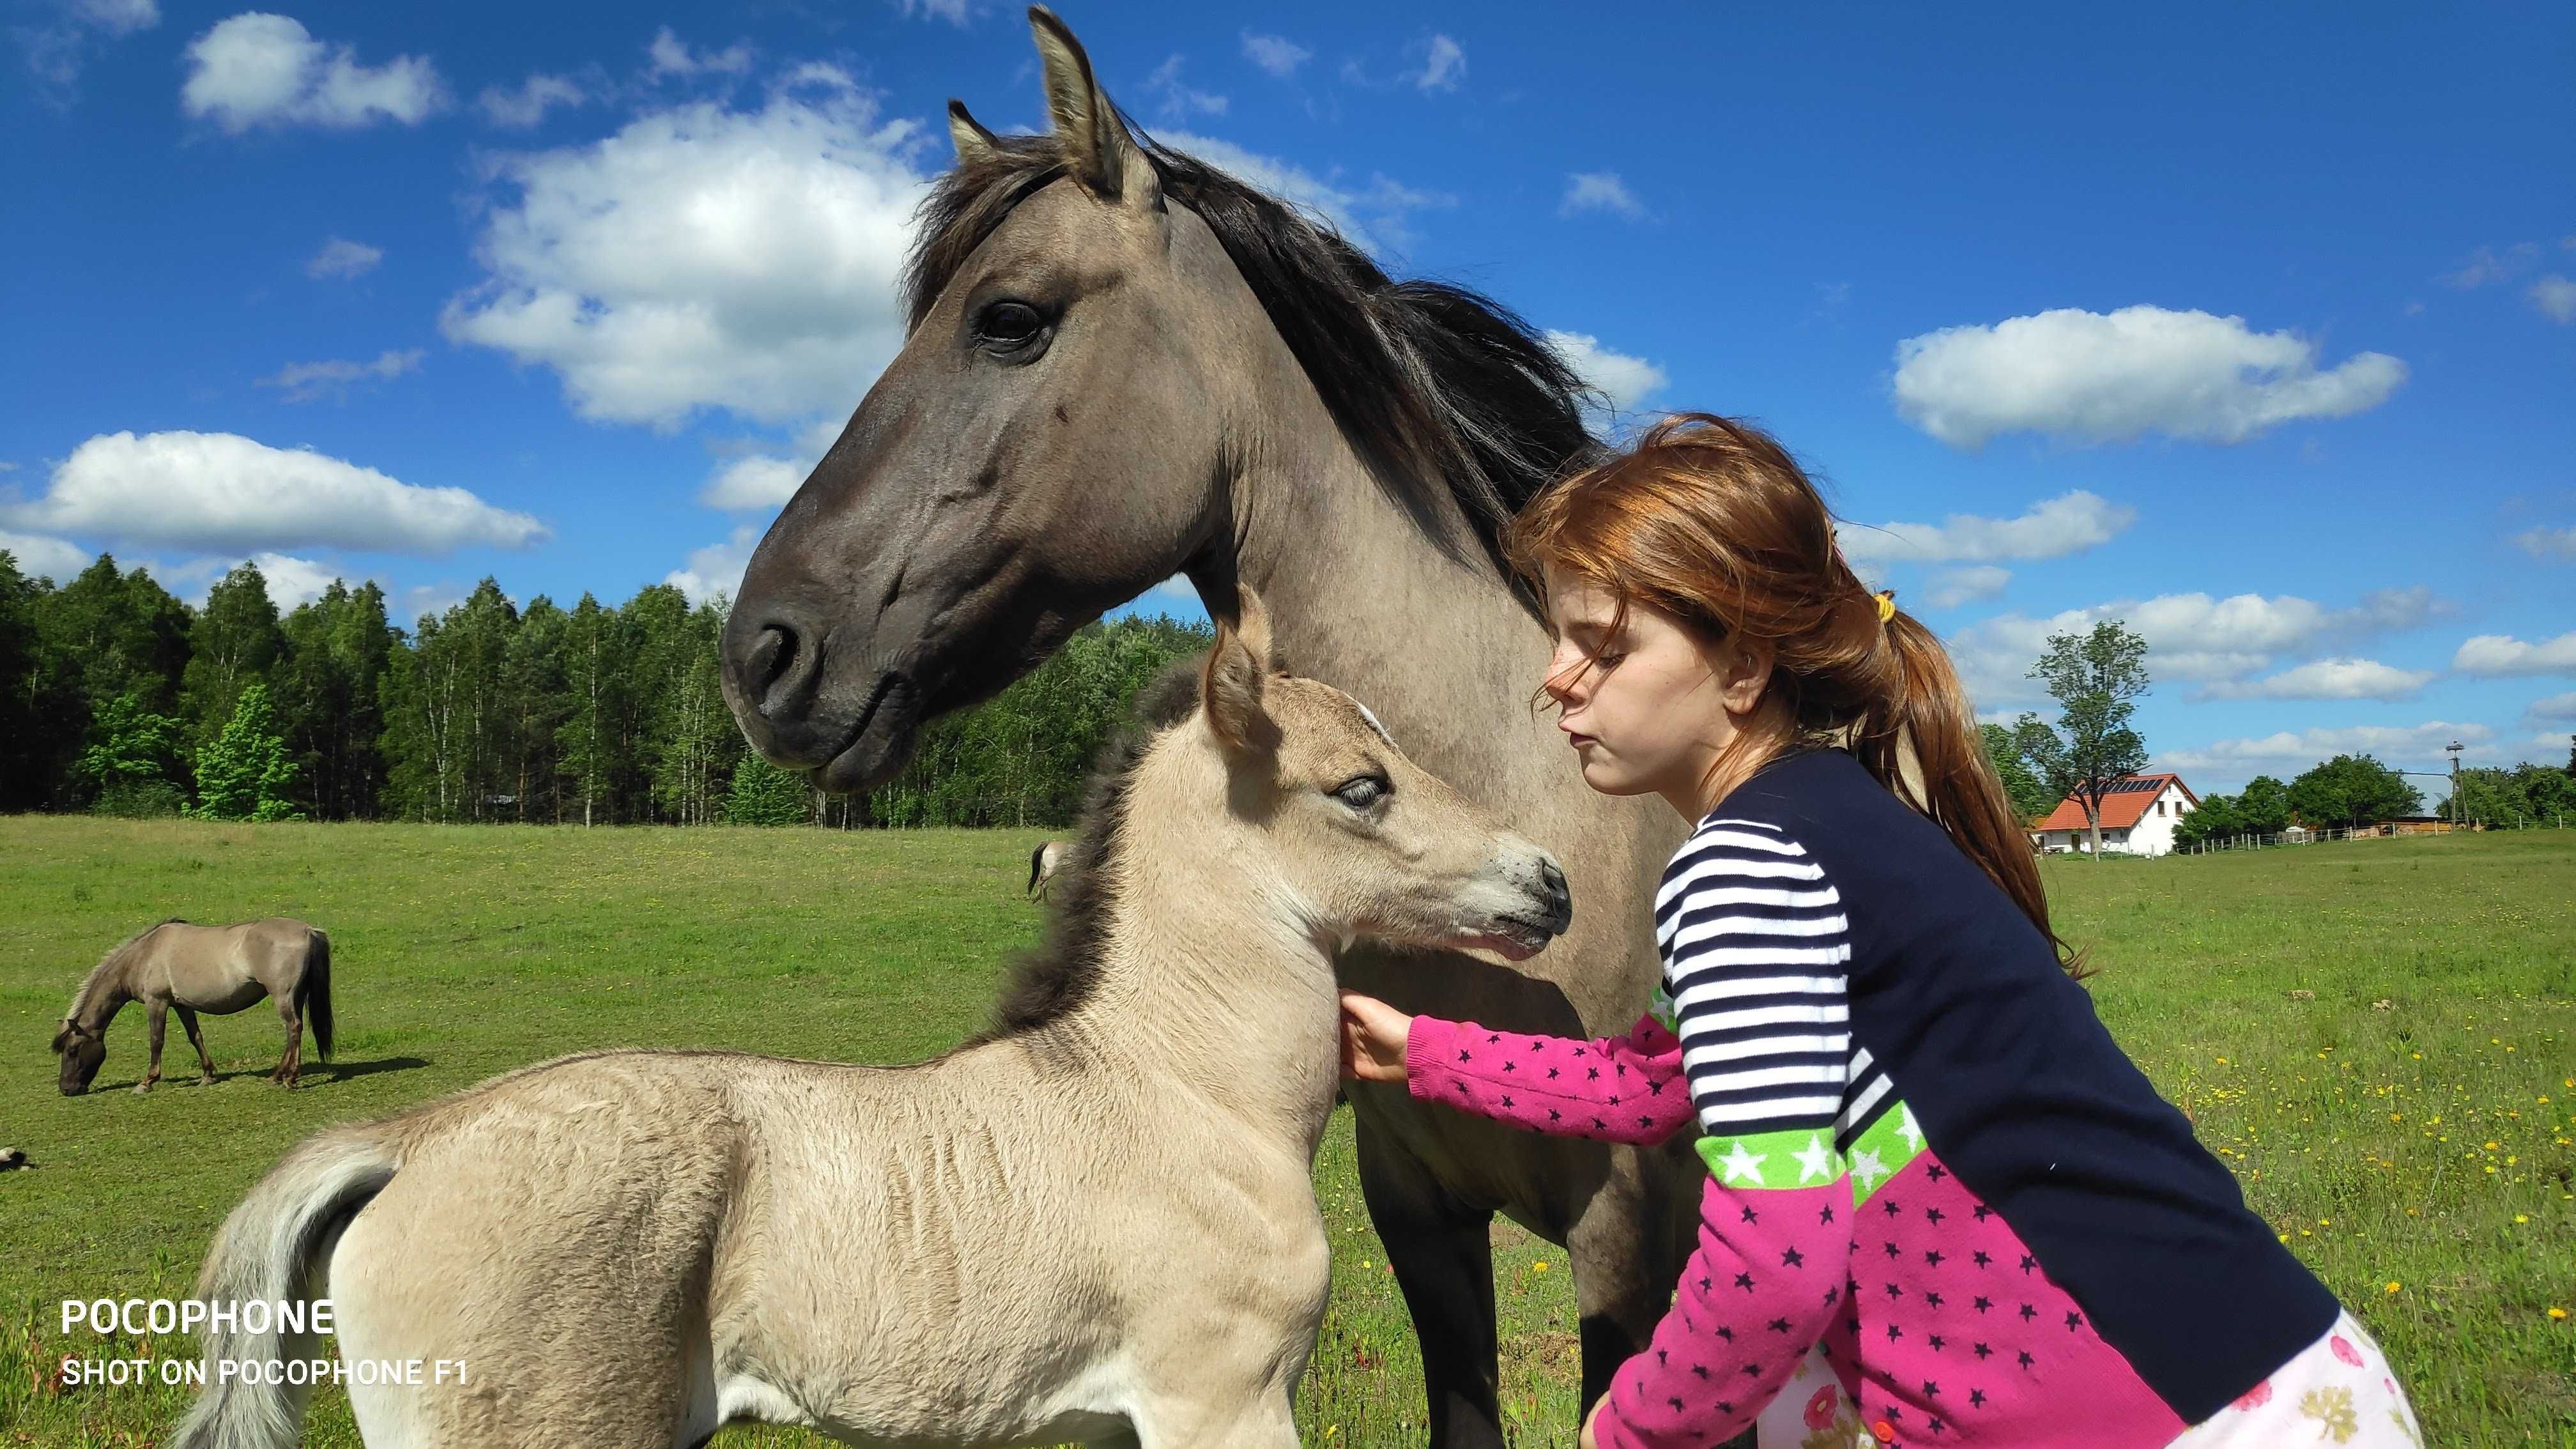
[(1438, 388), (115, 955), (1053, 979)]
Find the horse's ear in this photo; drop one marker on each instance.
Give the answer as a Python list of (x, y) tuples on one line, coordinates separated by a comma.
[(1097, 149), (62, 1037), (975, 145), (1231, 685)]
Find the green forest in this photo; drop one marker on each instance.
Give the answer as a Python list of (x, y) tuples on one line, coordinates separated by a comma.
[(116, 697)]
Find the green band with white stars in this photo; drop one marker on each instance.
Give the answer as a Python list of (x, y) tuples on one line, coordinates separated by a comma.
[(1891, 1142), (1773, 1159), (1808, 1159)]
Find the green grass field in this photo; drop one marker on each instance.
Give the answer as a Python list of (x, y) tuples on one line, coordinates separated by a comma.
[(2379, 1036)]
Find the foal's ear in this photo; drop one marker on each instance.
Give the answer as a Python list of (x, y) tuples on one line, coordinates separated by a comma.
[(975, 145), (1231, 685), (1097, 149)]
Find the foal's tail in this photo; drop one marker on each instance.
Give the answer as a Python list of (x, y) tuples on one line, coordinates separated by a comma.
[(265, 1255), (313, 992)]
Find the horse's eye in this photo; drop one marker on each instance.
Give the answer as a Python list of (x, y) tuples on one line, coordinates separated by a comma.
[(1363, 791), (1009, 327)]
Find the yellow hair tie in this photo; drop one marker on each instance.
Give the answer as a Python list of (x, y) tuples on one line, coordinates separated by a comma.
[(1886, 605)]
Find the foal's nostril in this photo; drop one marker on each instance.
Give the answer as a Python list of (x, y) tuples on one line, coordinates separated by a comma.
[(1554, 879)]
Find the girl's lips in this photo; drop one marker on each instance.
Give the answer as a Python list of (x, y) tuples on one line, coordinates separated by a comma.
[(1578, 741)]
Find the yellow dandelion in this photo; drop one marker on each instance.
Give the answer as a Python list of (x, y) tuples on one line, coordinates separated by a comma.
[(1539, 1267), (2558, 1313), (2521, 1218)]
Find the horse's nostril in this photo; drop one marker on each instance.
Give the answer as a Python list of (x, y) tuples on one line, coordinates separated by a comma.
[(772, 670)]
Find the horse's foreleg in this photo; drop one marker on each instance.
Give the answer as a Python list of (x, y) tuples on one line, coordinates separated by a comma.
[(158, 1013), (197, 1039), (1443, 1259)]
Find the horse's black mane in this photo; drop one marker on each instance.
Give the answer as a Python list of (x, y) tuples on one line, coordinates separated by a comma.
[(1438, 388), (1052, 980)]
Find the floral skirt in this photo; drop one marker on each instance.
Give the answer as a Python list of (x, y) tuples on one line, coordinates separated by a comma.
[(2337, 1391)]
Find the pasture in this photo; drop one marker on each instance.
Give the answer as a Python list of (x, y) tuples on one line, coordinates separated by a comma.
[(2379, 1036)]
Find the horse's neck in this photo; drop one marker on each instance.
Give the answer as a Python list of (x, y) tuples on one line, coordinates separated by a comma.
[(101, 998), (1440, 648)]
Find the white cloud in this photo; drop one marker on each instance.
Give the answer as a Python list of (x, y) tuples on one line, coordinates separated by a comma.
[(1954, 587), (2556, 709), (257, 69), (39, 556), (2109, 377), (221, 492), (293, 581), (758, 481), (1443, 67), (2190, 637), (1628, 381), (1372, 218), (2487, 265), (2060, 526), (716, 570), (526, 106), (1276, 54), (2328, 679), (1179, 102), (2555, 296), (2490, 656), (2403, 746), (952, 11), (305, 381), (673, 57), (340, 257), (1598, 191), (704, 257), (56, 46), (2549, 543)]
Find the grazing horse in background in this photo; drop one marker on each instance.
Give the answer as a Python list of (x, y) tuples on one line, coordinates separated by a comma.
[(1095, 1222), (1122, 364), (1043, 863), (218, 970)]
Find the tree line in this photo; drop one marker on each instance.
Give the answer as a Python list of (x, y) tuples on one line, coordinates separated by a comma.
[(117, 697)]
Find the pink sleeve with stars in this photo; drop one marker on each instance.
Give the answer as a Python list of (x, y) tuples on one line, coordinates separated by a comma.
[(1618, 1089), (1770, 1270)]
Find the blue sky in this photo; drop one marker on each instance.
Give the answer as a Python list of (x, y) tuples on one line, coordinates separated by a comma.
[(2253, 327)]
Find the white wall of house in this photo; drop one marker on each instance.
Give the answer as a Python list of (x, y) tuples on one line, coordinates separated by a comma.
[(2152, 835)]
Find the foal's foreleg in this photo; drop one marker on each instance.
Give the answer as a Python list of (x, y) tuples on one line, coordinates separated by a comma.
[(197, 1039), (158, 1013)]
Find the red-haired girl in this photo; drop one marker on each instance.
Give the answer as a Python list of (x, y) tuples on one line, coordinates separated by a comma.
[(1943, 1207)]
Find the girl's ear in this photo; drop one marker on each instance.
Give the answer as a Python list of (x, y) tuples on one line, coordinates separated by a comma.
[(1743, 669)]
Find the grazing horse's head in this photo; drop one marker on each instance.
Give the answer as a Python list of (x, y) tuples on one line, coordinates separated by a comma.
[(1363, 841), (82, 1050), (1098, 330)]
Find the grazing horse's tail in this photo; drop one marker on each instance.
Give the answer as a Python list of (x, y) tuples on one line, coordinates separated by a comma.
[(313, 991), (1037, 865), (265, 1253)]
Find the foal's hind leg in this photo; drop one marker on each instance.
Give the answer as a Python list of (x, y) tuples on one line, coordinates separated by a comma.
[(158, 1013), (205, 1063)]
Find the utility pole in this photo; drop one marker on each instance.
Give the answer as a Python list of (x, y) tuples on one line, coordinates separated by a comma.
[(2453, 750)]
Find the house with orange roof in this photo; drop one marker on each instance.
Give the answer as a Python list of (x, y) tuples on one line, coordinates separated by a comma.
[(2139, 813)]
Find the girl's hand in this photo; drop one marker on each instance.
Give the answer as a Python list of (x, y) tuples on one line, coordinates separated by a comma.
[(1374, 1035), (1587, 1441)]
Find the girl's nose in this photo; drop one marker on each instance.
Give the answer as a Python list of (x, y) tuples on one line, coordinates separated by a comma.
[(1565, 676)]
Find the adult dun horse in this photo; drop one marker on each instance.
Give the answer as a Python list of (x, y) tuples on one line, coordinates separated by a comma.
[(218, 970), (1097, 1222), (1122, 364)]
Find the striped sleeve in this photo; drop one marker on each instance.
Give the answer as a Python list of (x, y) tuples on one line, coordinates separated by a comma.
[(1756, 953)]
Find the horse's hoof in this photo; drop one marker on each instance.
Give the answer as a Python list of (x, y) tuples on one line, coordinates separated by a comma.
[(141, 1088), (205, 1081)]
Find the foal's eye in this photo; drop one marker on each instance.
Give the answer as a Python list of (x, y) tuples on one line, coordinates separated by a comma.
[(1005, 328), (1362, 791)]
